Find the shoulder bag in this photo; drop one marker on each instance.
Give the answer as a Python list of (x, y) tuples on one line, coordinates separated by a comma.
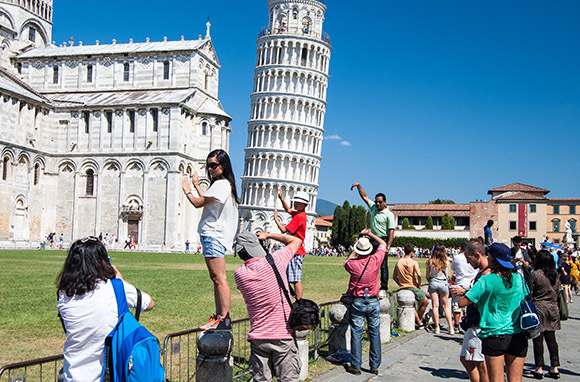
[(347, 298), (562, 304), (529, 321)]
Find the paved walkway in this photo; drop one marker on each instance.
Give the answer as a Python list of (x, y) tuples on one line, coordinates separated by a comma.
[(423, 356)]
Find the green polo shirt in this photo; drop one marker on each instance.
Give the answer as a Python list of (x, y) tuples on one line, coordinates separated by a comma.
[(381, 221)]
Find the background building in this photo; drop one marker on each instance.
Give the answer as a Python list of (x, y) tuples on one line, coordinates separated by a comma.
[(96, 138), (286, 124)]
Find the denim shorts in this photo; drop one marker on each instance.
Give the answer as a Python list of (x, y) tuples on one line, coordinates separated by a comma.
[(212, 247), (438, 286)]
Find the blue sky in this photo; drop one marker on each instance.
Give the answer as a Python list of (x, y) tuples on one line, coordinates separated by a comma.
[(430, 99)]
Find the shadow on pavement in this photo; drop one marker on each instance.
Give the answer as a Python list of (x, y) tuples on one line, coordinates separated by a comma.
[(568, 372), (458, 339), (446, 373)]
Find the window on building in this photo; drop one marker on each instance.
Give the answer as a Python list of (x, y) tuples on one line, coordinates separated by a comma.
[(109, 118), (555, 225), (89, 73), (55, 74), (513, 208), (5, 167), (556, 210), (166, 70), (533, 226), (572, 209), (204, 128), (87, 120), (36, 173), (304, 57), (19, 67), (90, 182), (131, 121), (31, 34), (155, 117), (556, 241), (532, 208), (126, 71), (513, 225), (572, 224), (295, 13)]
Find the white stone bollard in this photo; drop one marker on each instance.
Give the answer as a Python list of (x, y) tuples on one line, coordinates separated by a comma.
[(340, 336), (385, 320), (214, 362), (406, 310), (302, 344)]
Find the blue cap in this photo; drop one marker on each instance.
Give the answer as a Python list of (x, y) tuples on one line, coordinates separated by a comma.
[(501, 253)]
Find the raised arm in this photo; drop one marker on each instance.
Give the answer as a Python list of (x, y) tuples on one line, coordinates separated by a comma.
[(288, 240), (368, 232), (284, 204), (281, 226), (361, 192), (197, 201)]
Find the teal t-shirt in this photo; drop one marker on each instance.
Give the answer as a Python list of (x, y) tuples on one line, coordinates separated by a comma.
[(498, 307), (381, 221)]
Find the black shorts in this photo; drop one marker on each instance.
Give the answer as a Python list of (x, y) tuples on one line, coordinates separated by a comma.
[(512, 344)]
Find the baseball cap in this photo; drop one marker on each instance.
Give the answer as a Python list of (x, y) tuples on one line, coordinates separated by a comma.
[(501, 253)]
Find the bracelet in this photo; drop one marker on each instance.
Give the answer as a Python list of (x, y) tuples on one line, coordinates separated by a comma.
[(188, 193)]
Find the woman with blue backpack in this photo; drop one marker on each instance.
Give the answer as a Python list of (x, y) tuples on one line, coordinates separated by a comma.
[(87, 306)]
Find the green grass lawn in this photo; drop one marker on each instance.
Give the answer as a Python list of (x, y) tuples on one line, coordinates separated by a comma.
[(179, 284)]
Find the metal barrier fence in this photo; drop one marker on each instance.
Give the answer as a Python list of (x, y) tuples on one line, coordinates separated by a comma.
[(178, 353)]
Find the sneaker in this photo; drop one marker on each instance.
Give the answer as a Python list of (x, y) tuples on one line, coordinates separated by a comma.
[(382, 294), (451, 331), (217, 323), (437, 331), (375, 370), (352, 370)]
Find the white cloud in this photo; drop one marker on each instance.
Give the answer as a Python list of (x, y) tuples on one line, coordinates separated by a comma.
[(346, 143), (334, 136)]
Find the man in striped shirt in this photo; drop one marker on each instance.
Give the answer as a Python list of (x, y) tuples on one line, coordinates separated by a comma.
[(270, 336)]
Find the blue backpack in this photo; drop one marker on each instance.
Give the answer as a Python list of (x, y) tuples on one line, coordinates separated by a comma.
[(131, 351)]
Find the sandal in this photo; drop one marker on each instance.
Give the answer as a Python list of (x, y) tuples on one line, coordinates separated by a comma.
[(534, 374), (551, 374)]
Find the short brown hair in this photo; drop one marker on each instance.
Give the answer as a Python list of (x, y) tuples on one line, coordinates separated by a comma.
[(473, 247), (409, 248)]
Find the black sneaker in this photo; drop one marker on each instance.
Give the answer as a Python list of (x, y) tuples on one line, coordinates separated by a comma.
[(352, 370)]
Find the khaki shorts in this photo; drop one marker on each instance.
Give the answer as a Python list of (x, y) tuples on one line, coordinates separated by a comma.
[(277, 358), (419, 294)]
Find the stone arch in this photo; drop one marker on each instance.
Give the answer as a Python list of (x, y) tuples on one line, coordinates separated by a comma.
[(6, 19), (89, 164), (158, 168), (66, 168), (134, 168), (39, 28)]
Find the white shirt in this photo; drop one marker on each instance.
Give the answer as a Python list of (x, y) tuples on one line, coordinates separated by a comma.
[(464, 272), (88, 319), (219, 219)]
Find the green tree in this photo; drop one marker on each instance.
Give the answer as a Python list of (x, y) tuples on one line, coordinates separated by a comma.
[(446, 222), (338, 221), (344, 233), (452, 221), (406, 224), (429, 224), (356, 222), (441, 201)]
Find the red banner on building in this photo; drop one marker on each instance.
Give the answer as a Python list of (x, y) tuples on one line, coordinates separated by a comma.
[(522, 220)]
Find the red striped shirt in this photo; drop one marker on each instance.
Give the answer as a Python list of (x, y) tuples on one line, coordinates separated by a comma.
[(267, 307)]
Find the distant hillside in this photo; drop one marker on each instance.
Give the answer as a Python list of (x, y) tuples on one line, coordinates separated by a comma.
[(324, 207)]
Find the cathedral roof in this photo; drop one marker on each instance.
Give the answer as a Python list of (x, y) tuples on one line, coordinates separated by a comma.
[(213, 107), (110, 49), (122, 98), (12, 84)]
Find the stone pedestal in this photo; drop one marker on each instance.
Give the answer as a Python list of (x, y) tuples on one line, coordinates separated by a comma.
[(406, 310), (385, 320), (340, 337), (302, 344), (214, 362)]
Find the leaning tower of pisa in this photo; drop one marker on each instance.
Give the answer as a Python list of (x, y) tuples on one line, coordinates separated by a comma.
[(286, 124)]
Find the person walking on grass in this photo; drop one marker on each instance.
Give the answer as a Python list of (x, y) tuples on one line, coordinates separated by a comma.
[(273, 349), (383, 225), (363, 264), (407, 275), (217, 228), (437, 272), (297, 228), (471, 355)]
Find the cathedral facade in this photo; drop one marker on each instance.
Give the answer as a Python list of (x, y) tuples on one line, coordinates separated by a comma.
[(286, 125), (96, 138)]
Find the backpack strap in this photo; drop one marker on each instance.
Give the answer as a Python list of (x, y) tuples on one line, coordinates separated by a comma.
[(270, 260), (138, 307), (119, 288)]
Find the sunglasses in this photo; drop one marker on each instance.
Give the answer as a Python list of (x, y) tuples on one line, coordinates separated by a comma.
[(91, 238), (379, 202), (212, 165)]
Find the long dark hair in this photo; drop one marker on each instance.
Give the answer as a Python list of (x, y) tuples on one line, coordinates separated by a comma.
[(505, 273), (439, 257), (227, 172), (545, 262), (86, 264)]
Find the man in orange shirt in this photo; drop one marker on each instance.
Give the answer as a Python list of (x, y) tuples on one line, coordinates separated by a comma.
[(408, 276)]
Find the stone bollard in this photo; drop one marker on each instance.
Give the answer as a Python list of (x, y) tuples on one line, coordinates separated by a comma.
[(385, 320), (406, 310), (302, 343), (340, 336), (214, 362)]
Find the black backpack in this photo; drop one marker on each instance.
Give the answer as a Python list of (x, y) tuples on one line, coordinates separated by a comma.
[(305, 313)]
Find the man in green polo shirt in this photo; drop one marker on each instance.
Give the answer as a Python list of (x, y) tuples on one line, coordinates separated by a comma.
[(383, 225)]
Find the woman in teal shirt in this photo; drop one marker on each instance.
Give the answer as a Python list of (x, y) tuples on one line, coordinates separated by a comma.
[(498, 297)]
